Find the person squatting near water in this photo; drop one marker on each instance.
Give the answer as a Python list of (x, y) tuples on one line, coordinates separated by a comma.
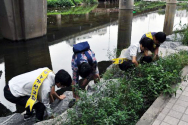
[(84, 64), (158, 38), (33, 90), (134, 54)]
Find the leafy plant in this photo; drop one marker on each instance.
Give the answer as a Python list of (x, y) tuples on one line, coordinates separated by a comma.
[(67, 3), (123, 100), (75, 10), (143, 5), (182, 32)]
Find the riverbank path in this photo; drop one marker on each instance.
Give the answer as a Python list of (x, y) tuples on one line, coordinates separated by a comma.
[(176, 110)]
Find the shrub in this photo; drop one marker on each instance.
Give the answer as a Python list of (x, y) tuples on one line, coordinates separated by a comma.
[(54, 3), (183, 33), (124, 100)]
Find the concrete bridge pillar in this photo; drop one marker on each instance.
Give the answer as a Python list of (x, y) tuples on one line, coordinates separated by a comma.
[(169, 18), (126, 4), (23, 19), (124, 29), (171, 1)]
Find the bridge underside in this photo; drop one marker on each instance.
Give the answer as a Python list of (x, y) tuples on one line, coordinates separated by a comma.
[(23, 19)]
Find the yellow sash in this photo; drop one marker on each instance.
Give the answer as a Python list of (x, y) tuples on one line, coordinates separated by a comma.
[(149, 35), (36, 85), (119, 60)]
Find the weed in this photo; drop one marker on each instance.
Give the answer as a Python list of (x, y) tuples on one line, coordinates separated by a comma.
[(123, 100), (55, 3), (182, 32)]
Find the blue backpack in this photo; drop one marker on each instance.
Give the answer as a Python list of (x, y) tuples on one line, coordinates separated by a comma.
[(82, 47)]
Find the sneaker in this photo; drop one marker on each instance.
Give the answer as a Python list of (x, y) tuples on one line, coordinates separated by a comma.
[(71, 103)]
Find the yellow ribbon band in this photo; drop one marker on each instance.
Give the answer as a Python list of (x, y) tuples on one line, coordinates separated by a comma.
[(36, 85), (119, 60), (149, 35)]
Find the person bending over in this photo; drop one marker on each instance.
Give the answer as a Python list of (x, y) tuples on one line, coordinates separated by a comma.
[(135, 54), (32, 90), (84, 64), (158, 38)]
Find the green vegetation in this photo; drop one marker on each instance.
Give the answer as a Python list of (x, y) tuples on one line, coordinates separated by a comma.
[(181, 34), (74, 10), (161, 12), (183, 5), (127, 95), (55, 3), (143, 5)]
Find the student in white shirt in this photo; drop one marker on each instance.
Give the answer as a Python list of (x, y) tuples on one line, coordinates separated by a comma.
[(134, 53), (19, 89)]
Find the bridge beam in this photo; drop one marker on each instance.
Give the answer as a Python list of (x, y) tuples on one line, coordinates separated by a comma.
[(126, 4), (23, 19)]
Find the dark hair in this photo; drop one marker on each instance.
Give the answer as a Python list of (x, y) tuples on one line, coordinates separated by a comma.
[(63, 78), (160, 36), (84, 70), (147, 43)]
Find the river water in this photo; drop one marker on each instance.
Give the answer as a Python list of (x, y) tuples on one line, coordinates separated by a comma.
[(105, 28)]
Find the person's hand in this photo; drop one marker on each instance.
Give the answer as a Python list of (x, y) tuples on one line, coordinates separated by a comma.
[(62, 97)]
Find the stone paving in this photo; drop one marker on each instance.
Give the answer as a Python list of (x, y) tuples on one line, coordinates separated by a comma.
[(176, 110)]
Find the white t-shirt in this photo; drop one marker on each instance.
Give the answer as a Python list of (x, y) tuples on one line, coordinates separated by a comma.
[(132, 50), (21, 85)]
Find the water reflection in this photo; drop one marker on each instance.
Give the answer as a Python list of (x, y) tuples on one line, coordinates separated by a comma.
[(169, 18), (87, 16), (21, 57), (74, 23), (124, 29), (58, 18)]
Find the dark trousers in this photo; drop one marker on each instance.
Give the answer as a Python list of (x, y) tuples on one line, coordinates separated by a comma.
[(146, 59), (128, 64), (39, 107)]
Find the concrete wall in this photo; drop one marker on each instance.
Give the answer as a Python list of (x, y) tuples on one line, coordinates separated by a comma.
[(171, 1), (126, 4), (23, 19)]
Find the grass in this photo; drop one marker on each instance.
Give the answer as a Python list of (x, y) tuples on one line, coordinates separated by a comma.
[(74, 10), (182, 32), (143, 6), (67, 3)]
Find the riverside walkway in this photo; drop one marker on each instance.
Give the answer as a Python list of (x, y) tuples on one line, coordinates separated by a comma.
[(176, 110), (169, 110)]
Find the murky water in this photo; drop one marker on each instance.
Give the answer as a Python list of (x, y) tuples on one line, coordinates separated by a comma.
[(104, 27)]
